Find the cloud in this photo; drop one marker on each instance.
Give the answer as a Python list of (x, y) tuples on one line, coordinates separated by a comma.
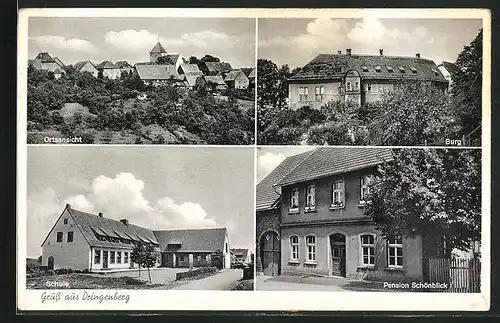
[(73, 44), (118, 197), (268, 162), (131, 41)]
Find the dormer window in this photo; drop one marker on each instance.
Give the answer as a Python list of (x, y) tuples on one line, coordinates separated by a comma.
[(435, 72), (310, 198), (401, 69), (294, 201), (338, 195), (389, 68), (378, 68), (413, 70), (364, 68)]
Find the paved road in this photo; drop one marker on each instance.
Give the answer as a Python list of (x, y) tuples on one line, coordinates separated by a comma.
[(221, 281), (158, 275), (295, 284)]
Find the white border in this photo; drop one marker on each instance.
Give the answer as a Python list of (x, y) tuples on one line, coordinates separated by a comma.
[(258, 300)]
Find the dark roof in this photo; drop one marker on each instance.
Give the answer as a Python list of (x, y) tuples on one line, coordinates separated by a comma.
[(106, 65), (249, 71), (327, 161), (334, 66), (156, 72), (90, 224), (266, 195), (44, 57), (222, 67), (171, 58), (193, 240), (231, 76), (451, 67), (80, 65), (123, 64), (217, 79), (158, 48)]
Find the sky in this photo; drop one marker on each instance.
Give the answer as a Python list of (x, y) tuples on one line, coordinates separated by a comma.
[(269, 157), (131, 39), (297, 41), (155, 187)]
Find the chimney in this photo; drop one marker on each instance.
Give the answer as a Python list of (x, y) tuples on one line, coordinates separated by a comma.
[(348, 51), (100, 215), (68, 206), (339, 52), (418, 55), (124, 221), (381, 52)]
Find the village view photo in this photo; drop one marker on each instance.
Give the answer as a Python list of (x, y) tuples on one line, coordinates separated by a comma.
[(105, 219), (141, 81), (369, 81)]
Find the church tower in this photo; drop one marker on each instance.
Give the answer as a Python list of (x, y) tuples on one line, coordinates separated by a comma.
[(156, 52)]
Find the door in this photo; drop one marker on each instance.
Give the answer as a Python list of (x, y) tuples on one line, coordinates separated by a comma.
[(50, 263), (270, 249), (104, 259), (167, 260), (337, 246)]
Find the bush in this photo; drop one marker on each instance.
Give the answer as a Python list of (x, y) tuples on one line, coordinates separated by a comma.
[(133, 281)]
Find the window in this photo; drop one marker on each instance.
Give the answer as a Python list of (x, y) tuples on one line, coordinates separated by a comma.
[(181, 257), (294, 248), (356, 86), (368, 87), (413, 70), (368, 249), (294, 200), (348, 86), (401, 69), (118, 257), (112, 257), (365, 68), (206, 257), (198, 258), (125, 257), (319, 91), (364, 189), (338, 194), (65, 221), (97, 256), (395, 252), (227, 248), (378, 68), (70, 236), (59, 236), (311, 198), (311, 248), (303, 92), (389, 68)]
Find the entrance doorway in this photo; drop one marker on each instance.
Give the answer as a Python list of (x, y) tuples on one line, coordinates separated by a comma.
[(167, 260), (50, 263), (337, 247), (104, 260), (270, 253)]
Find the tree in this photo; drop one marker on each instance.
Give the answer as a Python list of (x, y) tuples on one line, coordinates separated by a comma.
[(217, 258), (209, 58), (144, 255), (435, 192), (163, 60), (467, 84)]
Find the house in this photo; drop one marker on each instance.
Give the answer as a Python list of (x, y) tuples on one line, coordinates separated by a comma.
[(86, 67), (193, 247), (448, 69), (241, 256), (43, 61), (124, 67), (218, 68), (109, 70), (311, 220), (236, 79), (158, 55), (85, 241), (191, 73), (155, 74), (357, 78), (58, 73), (216, 81), (250, 73)]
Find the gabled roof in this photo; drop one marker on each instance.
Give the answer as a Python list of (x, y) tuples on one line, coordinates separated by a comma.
[(249, 71), (158, 48), (231, 76), (193, 240), (58, 61), (217, 79), (222, 67), (44, 57), (243, 253), (335, 66), (36, 63), (51, 66), (123, 64), (79, 65), (90, 224), (328, 161), (450, 67), (266, 196), (190, 69), (191, 79), (156, 72), (106, 65)]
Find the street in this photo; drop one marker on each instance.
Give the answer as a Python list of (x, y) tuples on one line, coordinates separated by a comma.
[(221, 281)]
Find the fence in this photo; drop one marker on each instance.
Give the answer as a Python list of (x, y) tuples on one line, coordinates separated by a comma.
[(461, 275)]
